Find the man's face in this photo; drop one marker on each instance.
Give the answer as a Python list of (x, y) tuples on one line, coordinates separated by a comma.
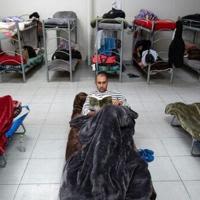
[(101, 83)]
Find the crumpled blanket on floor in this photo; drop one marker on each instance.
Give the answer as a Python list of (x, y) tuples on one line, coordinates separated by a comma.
[(188, 115), (107, 167)]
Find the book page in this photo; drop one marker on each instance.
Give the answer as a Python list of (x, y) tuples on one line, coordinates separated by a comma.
[(97, 103)]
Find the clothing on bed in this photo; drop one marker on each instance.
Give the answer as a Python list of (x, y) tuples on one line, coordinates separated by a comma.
[(115, 96), (114, 13), (107, 167), (155, 25), (194, 54), (192, 20), (146, 14)]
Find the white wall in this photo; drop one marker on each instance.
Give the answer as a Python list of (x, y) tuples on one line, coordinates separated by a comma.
[(46, 8)]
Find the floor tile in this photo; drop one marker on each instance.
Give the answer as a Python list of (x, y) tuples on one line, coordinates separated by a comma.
[(13, 171), (178, 146), (187, 167), (7, 192), (43, 171), (193, 188), (54, 132), (38, 192), (170, 190), (49, 149), (162, 169), (153, 144)]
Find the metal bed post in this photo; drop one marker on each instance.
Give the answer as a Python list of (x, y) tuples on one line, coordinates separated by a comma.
[(70, 50), (172, 74), (76, 32), (194, 30), (195, 142), (45, 48), (3, 161), (121, 50), (20, 52), (96, 48), (148, 73)]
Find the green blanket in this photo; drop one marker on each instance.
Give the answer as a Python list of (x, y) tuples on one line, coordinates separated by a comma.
[(188, 116), (112, 22)]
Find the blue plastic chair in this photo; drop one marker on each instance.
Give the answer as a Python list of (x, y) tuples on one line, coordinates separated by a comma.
[(18, 121)]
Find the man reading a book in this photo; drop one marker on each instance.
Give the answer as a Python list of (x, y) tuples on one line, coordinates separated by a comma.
[(101, 97)]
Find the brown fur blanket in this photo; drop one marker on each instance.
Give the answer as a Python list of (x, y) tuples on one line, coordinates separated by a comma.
[(73, 143)]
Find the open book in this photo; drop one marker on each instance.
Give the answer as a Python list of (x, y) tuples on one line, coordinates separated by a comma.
[(98, 102)]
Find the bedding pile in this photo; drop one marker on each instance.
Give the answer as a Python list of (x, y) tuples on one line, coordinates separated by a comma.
[(107, 167)]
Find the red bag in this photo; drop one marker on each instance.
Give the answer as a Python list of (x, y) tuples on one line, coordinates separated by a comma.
[(103, 59)]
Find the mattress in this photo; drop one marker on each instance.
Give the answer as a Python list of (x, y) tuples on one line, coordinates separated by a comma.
[(62, 65), (160, 24), (59, 22), (192, 20)]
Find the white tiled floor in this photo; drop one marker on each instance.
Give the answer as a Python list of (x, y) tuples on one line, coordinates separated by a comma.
[(36, 173)]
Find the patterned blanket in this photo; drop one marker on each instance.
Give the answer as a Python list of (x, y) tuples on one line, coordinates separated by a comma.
[(188, 115), (106, 167)]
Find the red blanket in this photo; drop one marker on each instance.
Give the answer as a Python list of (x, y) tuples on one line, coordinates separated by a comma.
[(6, 118), (6, 59), (6, 113)]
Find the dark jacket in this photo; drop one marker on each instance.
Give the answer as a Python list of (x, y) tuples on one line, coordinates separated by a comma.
[(177, 47)]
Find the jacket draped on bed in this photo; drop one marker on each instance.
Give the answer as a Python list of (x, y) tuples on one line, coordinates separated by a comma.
[(107, 167)]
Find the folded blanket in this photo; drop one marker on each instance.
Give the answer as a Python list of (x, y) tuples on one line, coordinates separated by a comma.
[(111, 22), (59, 21), (107, 167)]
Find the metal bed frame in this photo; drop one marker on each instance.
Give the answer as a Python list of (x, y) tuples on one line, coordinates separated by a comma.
[(193, 64), (151, 33), (105, 24), (59, 64), (22, 69)]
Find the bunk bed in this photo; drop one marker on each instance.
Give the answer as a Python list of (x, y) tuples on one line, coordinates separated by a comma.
[(64, 23), (112, 61), (16, 33), (152, 29), (191, 23)]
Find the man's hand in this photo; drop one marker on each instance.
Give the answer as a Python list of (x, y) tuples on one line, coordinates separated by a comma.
[(117, 102), (91, 113)]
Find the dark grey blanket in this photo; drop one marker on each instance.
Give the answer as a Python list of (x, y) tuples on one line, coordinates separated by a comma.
[(108, 167)]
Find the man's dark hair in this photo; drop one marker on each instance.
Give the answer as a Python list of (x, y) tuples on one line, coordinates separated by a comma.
[(101, 73)]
